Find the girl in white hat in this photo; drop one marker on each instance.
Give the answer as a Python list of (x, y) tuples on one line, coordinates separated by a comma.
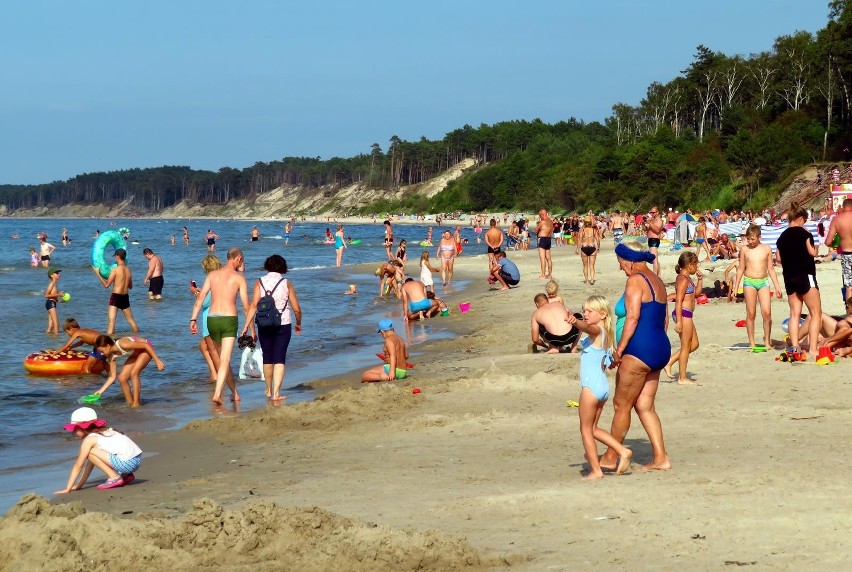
[(112, 452)]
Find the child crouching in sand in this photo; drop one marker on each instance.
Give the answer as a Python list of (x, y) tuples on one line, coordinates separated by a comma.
[(141, 353), (105, 448), (596, 356)]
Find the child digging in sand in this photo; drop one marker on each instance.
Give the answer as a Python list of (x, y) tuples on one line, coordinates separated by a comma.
[(685, 288), (755, 270), (105, 448), (596, 356)]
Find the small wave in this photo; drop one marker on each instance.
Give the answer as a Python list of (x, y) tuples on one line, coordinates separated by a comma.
[(312, 267), (274, 237)]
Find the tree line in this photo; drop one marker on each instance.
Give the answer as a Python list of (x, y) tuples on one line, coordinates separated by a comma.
[(728, 131)]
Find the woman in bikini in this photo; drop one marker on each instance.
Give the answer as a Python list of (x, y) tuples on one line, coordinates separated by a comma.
[(447, 254), (642, 350), (590, 245), (139, 351)]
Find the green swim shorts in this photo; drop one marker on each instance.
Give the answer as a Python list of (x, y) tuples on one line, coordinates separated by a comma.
[(400, 373), (221, 327)]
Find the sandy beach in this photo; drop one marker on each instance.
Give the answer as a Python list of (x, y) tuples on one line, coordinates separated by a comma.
[(481, 469)]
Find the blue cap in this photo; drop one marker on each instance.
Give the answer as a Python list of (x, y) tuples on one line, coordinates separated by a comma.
[(385, 325)]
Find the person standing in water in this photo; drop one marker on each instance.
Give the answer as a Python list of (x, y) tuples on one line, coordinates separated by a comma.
[(225, 285), (339, 244), (154, 276), (121, 280)]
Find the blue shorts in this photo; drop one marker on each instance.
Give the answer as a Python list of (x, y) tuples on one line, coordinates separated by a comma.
[(420, 305), (125, 467)]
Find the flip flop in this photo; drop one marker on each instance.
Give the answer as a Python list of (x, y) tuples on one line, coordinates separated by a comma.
[(570, 403)]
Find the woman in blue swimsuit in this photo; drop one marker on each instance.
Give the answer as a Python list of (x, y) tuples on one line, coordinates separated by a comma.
[(339, 245), (642, 351)]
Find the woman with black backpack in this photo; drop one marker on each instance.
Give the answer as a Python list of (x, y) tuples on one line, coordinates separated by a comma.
[(273, 306)]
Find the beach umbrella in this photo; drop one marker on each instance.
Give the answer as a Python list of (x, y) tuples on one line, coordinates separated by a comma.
[(687, 217)]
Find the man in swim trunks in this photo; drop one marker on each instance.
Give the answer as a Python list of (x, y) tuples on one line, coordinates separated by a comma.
[(550, 327), (212, 237), (415, 303), (841, 225), (654, 232), (493, 240), (616, 225), (154, 276), (395, 353), (224, 285), (45, 249), (544, 230), (255, 234), (186, 236), (121, 280)]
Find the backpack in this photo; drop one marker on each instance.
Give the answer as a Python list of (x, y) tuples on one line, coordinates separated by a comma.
[(267, 314)]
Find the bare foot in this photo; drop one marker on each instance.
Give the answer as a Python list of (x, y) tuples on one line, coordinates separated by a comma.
[(235, 397), (668, 371), (217, 400), (624, 462), (504, 288), (664, 465), (279, 398), (542, 277), (552, 351), (593, 476), (686, 381)]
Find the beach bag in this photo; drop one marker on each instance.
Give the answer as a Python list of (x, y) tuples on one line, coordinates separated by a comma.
[(267, 314), (251, 363)]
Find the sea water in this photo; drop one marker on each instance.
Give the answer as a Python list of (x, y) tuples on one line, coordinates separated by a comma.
[(339, 331)]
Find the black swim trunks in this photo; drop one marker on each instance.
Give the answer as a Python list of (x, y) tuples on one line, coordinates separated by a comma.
[(211, 241), (492, 250), (800, 284), (544, 242), (561, 341), (120, 301), (45, 257), (156, 286), (254, 239), (653, 243), (49, 304)]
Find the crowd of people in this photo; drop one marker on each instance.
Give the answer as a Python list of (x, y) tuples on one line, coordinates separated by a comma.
[(629, 336)]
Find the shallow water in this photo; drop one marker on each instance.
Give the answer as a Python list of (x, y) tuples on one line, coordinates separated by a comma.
[(339, 330)]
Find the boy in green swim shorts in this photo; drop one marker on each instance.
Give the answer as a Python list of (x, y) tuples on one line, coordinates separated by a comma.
[(755, 270), (396, 353)]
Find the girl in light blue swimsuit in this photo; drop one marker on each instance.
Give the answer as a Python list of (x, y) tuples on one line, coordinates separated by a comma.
[(597, 348)]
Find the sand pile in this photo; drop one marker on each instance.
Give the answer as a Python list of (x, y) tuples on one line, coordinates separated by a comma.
[(265, 536)]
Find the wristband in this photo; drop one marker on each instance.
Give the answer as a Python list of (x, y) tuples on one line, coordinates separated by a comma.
[(193, 320)]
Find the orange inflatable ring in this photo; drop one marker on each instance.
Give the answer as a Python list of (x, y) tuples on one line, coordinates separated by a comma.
[(70, 362)]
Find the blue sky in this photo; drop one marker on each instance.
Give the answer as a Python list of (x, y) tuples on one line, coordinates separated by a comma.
[(97, 86)]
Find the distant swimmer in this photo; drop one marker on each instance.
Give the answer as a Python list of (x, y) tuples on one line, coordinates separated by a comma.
[(186, 236), (287, 229), (65, 239), (154, 276), (46, 249), (255, 234), (211, 237)]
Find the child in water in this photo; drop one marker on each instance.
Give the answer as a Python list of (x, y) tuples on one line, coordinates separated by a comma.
[(109, 450), (596, 356), (34, 258), (140, 351), (685, 289), (77, 337), (52, 295)]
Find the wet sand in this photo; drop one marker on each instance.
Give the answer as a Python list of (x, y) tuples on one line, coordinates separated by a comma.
[(482, 469)]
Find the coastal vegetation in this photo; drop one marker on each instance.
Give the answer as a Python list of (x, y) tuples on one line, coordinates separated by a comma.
[(729, 131)]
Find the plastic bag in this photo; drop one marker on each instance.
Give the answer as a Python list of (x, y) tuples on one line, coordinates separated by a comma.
[(251, 363)]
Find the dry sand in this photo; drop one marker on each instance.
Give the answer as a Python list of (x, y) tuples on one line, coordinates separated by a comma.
[(482, 469)]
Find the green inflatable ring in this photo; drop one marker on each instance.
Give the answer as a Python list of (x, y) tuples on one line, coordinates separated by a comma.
[(107, 238)]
